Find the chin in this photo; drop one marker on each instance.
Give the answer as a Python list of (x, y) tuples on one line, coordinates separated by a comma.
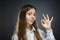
[(30, 23)]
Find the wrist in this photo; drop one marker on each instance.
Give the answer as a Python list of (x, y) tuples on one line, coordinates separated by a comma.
[(48, 28)]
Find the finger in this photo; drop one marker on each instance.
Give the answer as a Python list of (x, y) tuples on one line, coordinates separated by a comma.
[(42, 21), (47, 16), (51, 19), (44, 17)]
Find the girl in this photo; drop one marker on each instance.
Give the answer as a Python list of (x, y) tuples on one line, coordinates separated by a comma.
[(27, 29)]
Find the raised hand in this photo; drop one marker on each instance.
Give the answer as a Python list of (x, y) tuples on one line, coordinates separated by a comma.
[(46, 22)]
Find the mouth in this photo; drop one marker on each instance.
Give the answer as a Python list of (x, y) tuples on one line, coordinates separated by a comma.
[(32, 20)]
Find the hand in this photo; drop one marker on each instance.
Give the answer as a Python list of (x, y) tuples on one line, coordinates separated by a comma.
[(46, 23)]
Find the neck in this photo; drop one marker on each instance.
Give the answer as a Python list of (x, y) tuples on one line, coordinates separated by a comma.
[(29, 27)]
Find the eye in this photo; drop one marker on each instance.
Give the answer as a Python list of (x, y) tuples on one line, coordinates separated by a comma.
[(29, 13)]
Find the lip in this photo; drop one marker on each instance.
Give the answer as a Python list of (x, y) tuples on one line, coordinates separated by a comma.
[(32, 20)]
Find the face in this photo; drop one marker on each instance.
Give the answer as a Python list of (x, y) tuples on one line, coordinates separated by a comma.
[(30, 16)]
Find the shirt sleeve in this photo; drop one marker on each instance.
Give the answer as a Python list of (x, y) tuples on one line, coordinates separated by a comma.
[(48, 35), (14, 37)]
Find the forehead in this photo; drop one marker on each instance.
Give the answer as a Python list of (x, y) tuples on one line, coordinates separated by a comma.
[(31, 10)]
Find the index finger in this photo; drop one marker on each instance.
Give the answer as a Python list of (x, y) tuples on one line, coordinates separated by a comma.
[(44, 17)]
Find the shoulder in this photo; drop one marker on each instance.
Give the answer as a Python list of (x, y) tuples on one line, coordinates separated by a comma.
[(40, 31), (14, 36)]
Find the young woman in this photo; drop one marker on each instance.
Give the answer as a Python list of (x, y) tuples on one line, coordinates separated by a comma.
[(27, 28)]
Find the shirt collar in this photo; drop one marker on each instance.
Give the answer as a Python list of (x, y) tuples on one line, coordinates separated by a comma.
[(33, 29)]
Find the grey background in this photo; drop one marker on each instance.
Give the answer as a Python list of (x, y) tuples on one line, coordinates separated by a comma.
[(9, 11)]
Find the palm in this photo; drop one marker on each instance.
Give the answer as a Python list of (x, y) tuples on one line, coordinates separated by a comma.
[(46, 23)]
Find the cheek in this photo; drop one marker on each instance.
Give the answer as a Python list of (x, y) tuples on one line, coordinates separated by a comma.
[(27, 18), (35, 18)]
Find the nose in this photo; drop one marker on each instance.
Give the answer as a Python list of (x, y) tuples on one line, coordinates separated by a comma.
[(33, 17)]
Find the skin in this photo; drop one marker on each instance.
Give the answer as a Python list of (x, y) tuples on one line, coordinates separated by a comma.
[(31, 17), (46, 23)]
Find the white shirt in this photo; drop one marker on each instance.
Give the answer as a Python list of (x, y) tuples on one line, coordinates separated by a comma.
[(30, 35)]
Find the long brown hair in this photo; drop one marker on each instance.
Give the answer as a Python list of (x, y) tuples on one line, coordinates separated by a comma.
[(22, 24)]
